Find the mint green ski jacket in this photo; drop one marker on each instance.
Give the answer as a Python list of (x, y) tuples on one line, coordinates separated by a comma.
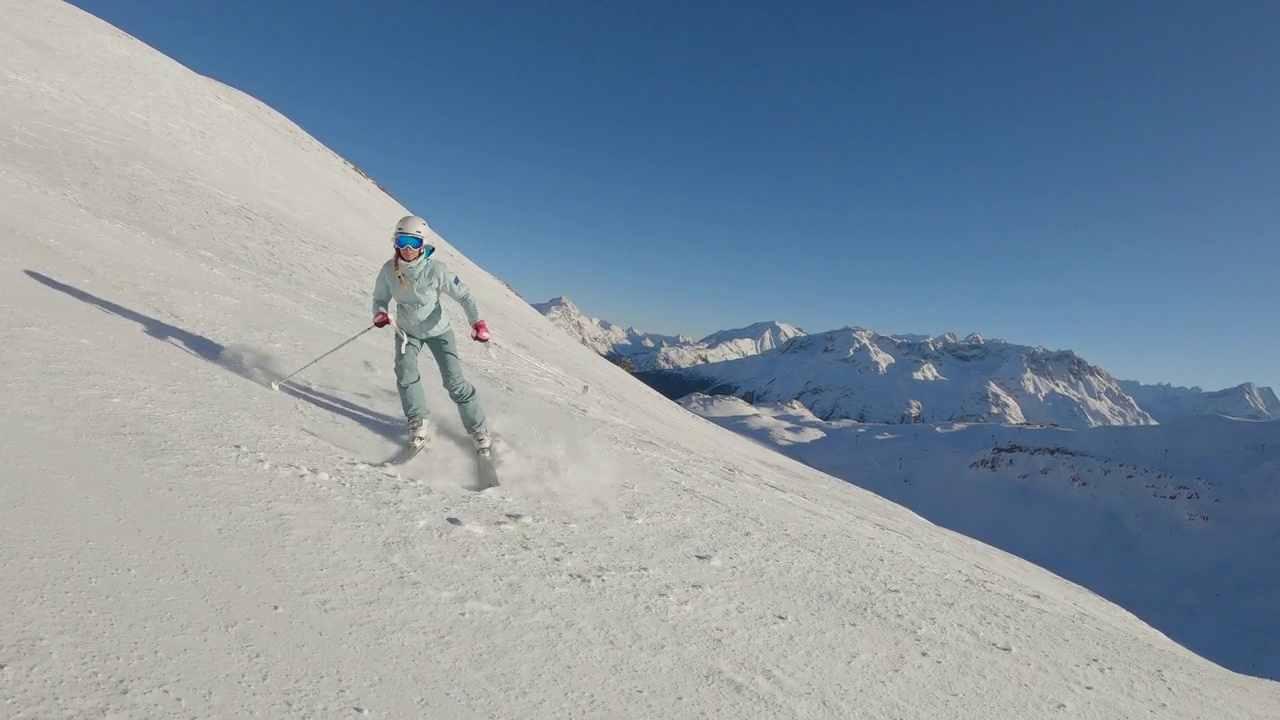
[(418, 310)]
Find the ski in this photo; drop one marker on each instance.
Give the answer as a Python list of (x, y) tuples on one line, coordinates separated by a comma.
[(404, 454), (486, 472)]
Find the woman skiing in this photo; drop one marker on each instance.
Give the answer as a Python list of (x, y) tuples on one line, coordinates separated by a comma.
[(415, 280)]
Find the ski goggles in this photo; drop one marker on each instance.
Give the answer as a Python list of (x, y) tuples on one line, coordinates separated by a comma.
[(408, 241)]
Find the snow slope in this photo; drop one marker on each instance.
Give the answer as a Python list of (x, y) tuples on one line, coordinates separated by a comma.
[(1151, 517), (177, 540), (1167, 403)]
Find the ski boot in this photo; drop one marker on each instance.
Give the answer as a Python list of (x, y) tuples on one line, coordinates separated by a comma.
[(419, 432), (482, 440)]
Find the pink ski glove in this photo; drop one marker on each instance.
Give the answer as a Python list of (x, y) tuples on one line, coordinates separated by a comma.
[(480, 331)]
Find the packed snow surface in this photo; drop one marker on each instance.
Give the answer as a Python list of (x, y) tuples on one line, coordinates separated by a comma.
[(177, 540)]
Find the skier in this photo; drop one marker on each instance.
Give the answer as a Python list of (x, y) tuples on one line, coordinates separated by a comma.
[(415, 280)]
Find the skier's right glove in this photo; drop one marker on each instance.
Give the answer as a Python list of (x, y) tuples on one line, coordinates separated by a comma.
[(381, 320)]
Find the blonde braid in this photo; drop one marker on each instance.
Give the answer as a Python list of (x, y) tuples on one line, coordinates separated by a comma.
[(398, 273)]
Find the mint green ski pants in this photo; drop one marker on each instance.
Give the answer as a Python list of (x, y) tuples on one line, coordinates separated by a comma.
[(409, 380)]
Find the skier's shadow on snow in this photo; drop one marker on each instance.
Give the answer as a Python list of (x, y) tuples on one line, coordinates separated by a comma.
[(241, 363)]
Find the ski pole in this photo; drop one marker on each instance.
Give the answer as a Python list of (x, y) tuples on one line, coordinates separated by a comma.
[(275, 384)]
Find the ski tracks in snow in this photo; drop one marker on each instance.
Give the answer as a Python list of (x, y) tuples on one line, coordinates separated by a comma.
[(496, 570)]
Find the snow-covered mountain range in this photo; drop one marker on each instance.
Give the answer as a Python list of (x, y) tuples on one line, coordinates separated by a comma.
[(1166, 402), (855, 373), (718, 347), (862, 375), (601, 336), (638, 350)]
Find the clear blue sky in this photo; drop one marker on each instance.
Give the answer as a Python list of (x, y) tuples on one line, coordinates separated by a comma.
[(1098, 176)]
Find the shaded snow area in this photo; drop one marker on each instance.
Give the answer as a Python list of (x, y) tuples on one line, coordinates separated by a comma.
[(179, 541)]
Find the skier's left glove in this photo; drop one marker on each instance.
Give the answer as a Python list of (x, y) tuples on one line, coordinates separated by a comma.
[(480, 332)]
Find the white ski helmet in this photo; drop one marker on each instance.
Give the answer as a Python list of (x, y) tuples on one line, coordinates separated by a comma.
[(412, 225)]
